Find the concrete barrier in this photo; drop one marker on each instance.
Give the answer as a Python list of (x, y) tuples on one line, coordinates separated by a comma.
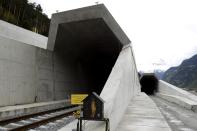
[(166, 88), (176, 95), (181, 101), (121, 86)]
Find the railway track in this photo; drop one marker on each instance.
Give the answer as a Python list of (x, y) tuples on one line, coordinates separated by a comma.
[(40, 121)]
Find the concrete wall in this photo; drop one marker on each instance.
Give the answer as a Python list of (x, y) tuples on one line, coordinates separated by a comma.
[(121, 86), (31, 74), (168, 89), (22, 35), (17, 72), (56, 77)]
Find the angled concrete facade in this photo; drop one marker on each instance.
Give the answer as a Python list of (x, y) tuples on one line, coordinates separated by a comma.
[(86, 51), (97, 13), (89, 40), (94, 31)]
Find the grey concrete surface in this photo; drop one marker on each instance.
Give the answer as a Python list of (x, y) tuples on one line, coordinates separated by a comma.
[(122, 85), (166, 88), (177, 95), (56, 78), (22, 35), (30, 74), (97, 12), (178, 118), (181, 101), (22, 79), (17, 72), (142, 114), (18, 110)]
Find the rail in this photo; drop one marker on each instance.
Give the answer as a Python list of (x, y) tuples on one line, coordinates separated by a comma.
[(35, 120)]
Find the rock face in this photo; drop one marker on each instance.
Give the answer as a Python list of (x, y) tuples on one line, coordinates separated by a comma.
[(184, 75)]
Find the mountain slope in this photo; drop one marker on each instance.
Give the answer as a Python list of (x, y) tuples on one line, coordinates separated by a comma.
[(183, 76), (159, 73)]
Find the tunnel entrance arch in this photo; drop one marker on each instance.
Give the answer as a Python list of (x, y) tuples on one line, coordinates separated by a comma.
[(89, 50), (87, 43), (149, 83)]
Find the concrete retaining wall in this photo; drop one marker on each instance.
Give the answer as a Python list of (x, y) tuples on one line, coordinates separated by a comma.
[(168, 89), (28, 73), (22, 35), (121, 86), (54, 79), (17, 72)]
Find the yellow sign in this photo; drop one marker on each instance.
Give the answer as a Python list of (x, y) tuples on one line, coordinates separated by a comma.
[(77, 99)]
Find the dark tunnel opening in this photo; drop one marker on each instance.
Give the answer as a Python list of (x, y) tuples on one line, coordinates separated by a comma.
[(89, 50), (149, 84)]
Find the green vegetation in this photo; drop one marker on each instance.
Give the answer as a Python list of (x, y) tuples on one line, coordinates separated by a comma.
[(183, 76), (25, 14)]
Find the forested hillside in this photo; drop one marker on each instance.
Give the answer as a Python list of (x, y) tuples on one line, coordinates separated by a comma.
[(25, 14), (185, 75)]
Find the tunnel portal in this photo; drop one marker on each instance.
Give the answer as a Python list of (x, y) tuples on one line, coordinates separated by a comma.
[(149, 83), (87, 42), (89, 49)]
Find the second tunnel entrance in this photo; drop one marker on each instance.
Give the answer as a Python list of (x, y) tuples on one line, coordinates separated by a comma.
[(149, 83)]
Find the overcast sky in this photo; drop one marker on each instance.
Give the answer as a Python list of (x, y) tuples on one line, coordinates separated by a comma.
[(163, 32)]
